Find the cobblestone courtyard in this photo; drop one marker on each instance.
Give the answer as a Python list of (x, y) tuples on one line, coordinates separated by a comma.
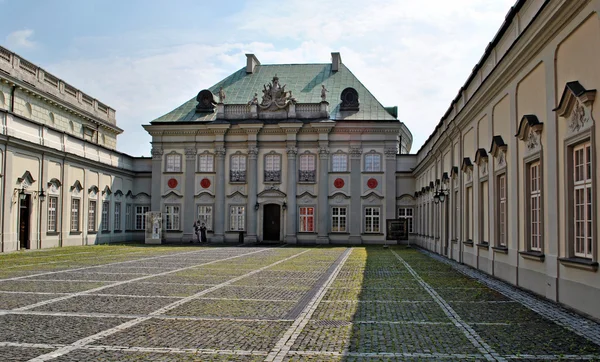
[(137, 303)]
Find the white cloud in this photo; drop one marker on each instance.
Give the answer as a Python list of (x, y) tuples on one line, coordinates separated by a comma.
[(20, 39), (413, 56)]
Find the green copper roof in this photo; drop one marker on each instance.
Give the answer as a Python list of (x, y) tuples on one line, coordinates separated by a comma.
[(304, 80)]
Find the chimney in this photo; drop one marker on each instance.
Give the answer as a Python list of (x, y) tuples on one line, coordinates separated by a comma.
[(336, 61), (251, 63)]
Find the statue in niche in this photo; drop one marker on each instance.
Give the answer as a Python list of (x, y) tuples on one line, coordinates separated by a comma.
[(323, 93), (221, 95)]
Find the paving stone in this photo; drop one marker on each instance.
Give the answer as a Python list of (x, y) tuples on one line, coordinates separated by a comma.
[(155, 289), (225, 308), (86, 275), (543, 338), (233, 292), (376, 311), (107, 304), (208, 334), (18, 300), (381, 294), (276, 282), (204, 280), (18, 354), (48, 286), (51, 329), (130, 356), (470, 294)]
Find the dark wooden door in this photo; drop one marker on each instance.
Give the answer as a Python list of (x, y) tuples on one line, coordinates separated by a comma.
[(271, 222), (24, 215)]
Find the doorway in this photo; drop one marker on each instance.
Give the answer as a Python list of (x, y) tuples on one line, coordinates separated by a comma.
[(24, 222), (271, 222)]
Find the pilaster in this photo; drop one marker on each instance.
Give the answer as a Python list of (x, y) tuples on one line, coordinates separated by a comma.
[(292, 216), (355, 181), (189, 212), (390, 185), (252, 192), (157, 157), (322, 200), (219, 226)]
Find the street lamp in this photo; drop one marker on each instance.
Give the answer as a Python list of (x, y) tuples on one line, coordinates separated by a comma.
[(256, 206), (22, 195)]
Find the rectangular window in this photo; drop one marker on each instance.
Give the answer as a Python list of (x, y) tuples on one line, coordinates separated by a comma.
[(307, 162), (205, 216), (455, 216), (238, 168), (502, 217), (583, 200), (468, 213), (307, 172), (272, 163), (92, 216), (307, 219), (128, 217), (117, 216), (52, 208), (105, 210), (535, 198), (236, 218), (173, 163), (407, 214), (372, 162), (338, 219), (339, 162), (140, 217), (484, 213), (272, 168), (372, 220), (75, 203), (171, 217), (206, 163)]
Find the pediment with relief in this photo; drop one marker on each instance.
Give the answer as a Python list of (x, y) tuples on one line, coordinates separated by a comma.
[(237, 197), (272, 192), (26, 180), (530, 131), (205, 197), (575, 107), (172, 197), (76, 188), (339, 198), (306, 198), (481, 159), (405, 200), (498, 151), (54, 186), (372, 198)]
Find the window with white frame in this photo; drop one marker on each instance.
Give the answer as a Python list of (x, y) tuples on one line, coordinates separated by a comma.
[(406, 213), (205, 215), (237, 168), (372, 219), (117, 216), (92, 215), (502, 210), (372, 162), (469, 213), (206, 163), (75, 207), (583, 200), (140, 217), (484, 235), (172, 217), (455, 216), (237, 216), (307, 219), (338, 219), (52, 208), (535, 201), (173, 163), (272, 168), (128, 217), (105, 209), (339, 162), (307, 172)]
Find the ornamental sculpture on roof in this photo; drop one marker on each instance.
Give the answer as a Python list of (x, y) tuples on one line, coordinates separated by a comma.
[(274, 96)]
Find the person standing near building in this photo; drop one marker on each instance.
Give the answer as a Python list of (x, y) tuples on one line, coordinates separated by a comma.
[(197, 230), (203, 233)]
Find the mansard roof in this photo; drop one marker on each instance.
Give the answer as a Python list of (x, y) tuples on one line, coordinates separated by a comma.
[(304, 80)]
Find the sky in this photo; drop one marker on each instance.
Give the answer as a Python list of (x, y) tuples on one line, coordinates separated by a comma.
[(145, 58)]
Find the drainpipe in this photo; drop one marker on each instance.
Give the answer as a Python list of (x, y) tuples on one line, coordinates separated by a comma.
[(3, 197), (40, 202), (62, 203)]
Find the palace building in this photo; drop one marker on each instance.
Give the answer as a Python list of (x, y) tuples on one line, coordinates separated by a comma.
[(305, 154)]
